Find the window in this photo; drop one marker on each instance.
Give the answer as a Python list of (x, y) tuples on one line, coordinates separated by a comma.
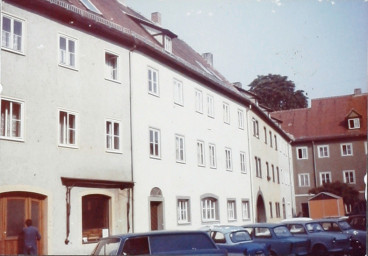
[(231, 210), (90, 6), (347, 149), (153, 81), (183, 211), (198, 101), (212, 154), (275, 141), (95, 216), (228, 159), (349, 176), (268, 171), (180, 150), (168, 44), (271, 212), (354, 123), (255, 128), (113, 136), (240, 119), (303, 180), (178, 92), (12, 33), (278, 175), (200, 153), (273, 173), (242, 163), (323, 151), (258, 167), (12, 120), (67, 128), (210, 106), (209, 209), (226, 113), (301, 153), (270, 139), (67, 51), (325, 177), (277, 208), (245, 210), (154, 143), (111, 66), (265, 134)]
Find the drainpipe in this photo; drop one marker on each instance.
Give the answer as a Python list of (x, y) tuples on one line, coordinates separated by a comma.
[(250, 166), (314, 165), (291, 180)]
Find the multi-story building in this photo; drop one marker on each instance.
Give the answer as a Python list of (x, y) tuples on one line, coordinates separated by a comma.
[(330, 144), (110, 124)]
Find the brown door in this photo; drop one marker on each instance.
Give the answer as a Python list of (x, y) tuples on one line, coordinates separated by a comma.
[(15, 208), (156, 215)]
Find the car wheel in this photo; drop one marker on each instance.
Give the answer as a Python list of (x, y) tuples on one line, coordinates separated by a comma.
[(319, 250), (273, 253)]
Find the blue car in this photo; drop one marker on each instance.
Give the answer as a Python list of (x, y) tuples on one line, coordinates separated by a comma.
[(281, 241), (322, 242), (237, 241)]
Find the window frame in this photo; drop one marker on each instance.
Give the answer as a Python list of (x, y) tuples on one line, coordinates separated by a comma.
[(325, 153), (304, 153), (245, 209), (12, 19), (210, 106), (231, 210), (228, 159), (153, 84), (258, 167), (183, 214), (178, 92), (349, 149), (241, 119), (322, 178), (302, 178), (212, 155), (255, 127), (110, 70), (112, 149), (344, 172), (66, 130), (67, 63), (201, 158), (180, 148), (209, 209), (198, 98), (168, 43), (354, 123), (226, 112), (243, 162), (155, 143), (11, 120)]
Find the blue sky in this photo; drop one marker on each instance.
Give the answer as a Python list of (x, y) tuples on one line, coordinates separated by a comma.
[(320, 45)]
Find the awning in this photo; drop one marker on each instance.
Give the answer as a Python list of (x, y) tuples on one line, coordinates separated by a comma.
[(93, 183)]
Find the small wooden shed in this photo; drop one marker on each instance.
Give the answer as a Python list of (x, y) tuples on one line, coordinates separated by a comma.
[(325, 205)]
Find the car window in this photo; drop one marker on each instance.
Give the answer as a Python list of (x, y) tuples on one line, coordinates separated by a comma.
[(262, 232), (218, 237), (314, 227), (282, 231), (344, 225), (330, 226), (107, 247), (240, 236), (136, 246), (296, 229)]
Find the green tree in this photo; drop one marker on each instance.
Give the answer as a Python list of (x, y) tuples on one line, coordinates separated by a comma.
[(348, 193), (278, 93)]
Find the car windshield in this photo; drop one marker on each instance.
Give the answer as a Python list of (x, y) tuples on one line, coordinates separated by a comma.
[(314, 227), (344, 225), (240, 236), (282, 231), (107, 247)]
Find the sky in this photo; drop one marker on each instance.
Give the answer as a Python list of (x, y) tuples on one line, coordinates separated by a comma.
[(320, 45)]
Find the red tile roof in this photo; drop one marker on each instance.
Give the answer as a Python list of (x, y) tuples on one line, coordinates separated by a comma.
[(326, 118)]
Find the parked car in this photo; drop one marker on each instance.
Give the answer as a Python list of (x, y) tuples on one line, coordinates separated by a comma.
[(322, 242), (281, 241), (159, 243), (236, 241), (357, 221), (340, 225)]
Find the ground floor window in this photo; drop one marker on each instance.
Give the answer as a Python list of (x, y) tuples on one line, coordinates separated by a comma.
[(209, 209)]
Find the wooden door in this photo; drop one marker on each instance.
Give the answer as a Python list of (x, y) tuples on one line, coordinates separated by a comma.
[(156, 215), (15, 208)]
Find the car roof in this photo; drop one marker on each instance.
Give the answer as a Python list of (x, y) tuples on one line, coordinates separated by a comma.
[(334, 219), (154, 233), (263, 225), (226, 228)]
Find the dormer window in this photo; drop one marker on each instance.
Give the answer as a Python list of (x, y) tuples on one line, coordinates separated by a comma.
[(354, 123), (88, 4), (168, 44)]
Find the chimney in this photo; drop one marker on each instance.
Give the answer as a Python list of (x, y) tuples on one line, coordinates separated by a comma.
[(357, 91), (156, 18), (208, 57), (238, 84)]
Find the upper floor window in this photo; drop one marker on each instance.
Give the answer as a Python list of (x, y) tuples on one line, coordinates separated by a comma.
[(255, 128), (111, 65), (325, 177), (210, 106), (323, 151), (231, 210), (349, 176), (200, 153), (270, 133), (275, 141), (354, 123), (180, 148), (302, 153), (12, 33), (258, 167), (226, 112), (113, 136), (242, 163), (303, 180), (228, 159), (212, 154), (347, 149), (183, 211), (12, 120), (240, 119), (209, 206), (198, 101), (178, 92), (265, 134), (67, 128), (153, 86), (168, 44), (67, 51), (154, 143)]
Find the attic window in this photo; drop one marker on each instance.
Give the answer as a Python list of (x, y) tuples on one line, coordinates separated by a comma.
[(354, 123), (90, 6), (168, 44)]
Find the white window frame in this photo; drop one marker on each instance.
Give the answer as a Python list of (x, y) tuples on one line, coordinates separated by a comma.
[(354, 123), (323, 176), (179, 148), (304, 179), (275, 137), (8, 122), (212, 155), (178, 92), (168, 44), (154, 138), (228, 159), (258, 164), (65, 56), (113, 136), (153, 81), (270, 133), (349, 176), (265, 134), (303, 151), (255, 128), (200, 153), (346, 149), (209, 209), (240, 119), (13, 43), (231, 210), (323, 151), (183, 210), (112, 67), (243, 167), (226, 112), (210, 106), (245, 210), (65, 129), (198, 101)]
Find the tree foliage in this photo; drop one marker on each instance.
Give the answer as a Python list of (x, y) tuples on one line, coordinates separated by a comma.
[(348, 193), (278, 93)]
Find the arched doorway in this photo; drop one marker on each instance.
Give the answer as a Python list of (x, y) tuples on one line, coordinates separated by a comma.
[(156, 209), (261, 210), (15, 208)]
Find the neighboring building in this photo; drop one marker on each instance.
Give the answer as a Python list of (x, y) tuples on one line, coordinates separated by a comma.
[(111, 124), (330, 144)]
